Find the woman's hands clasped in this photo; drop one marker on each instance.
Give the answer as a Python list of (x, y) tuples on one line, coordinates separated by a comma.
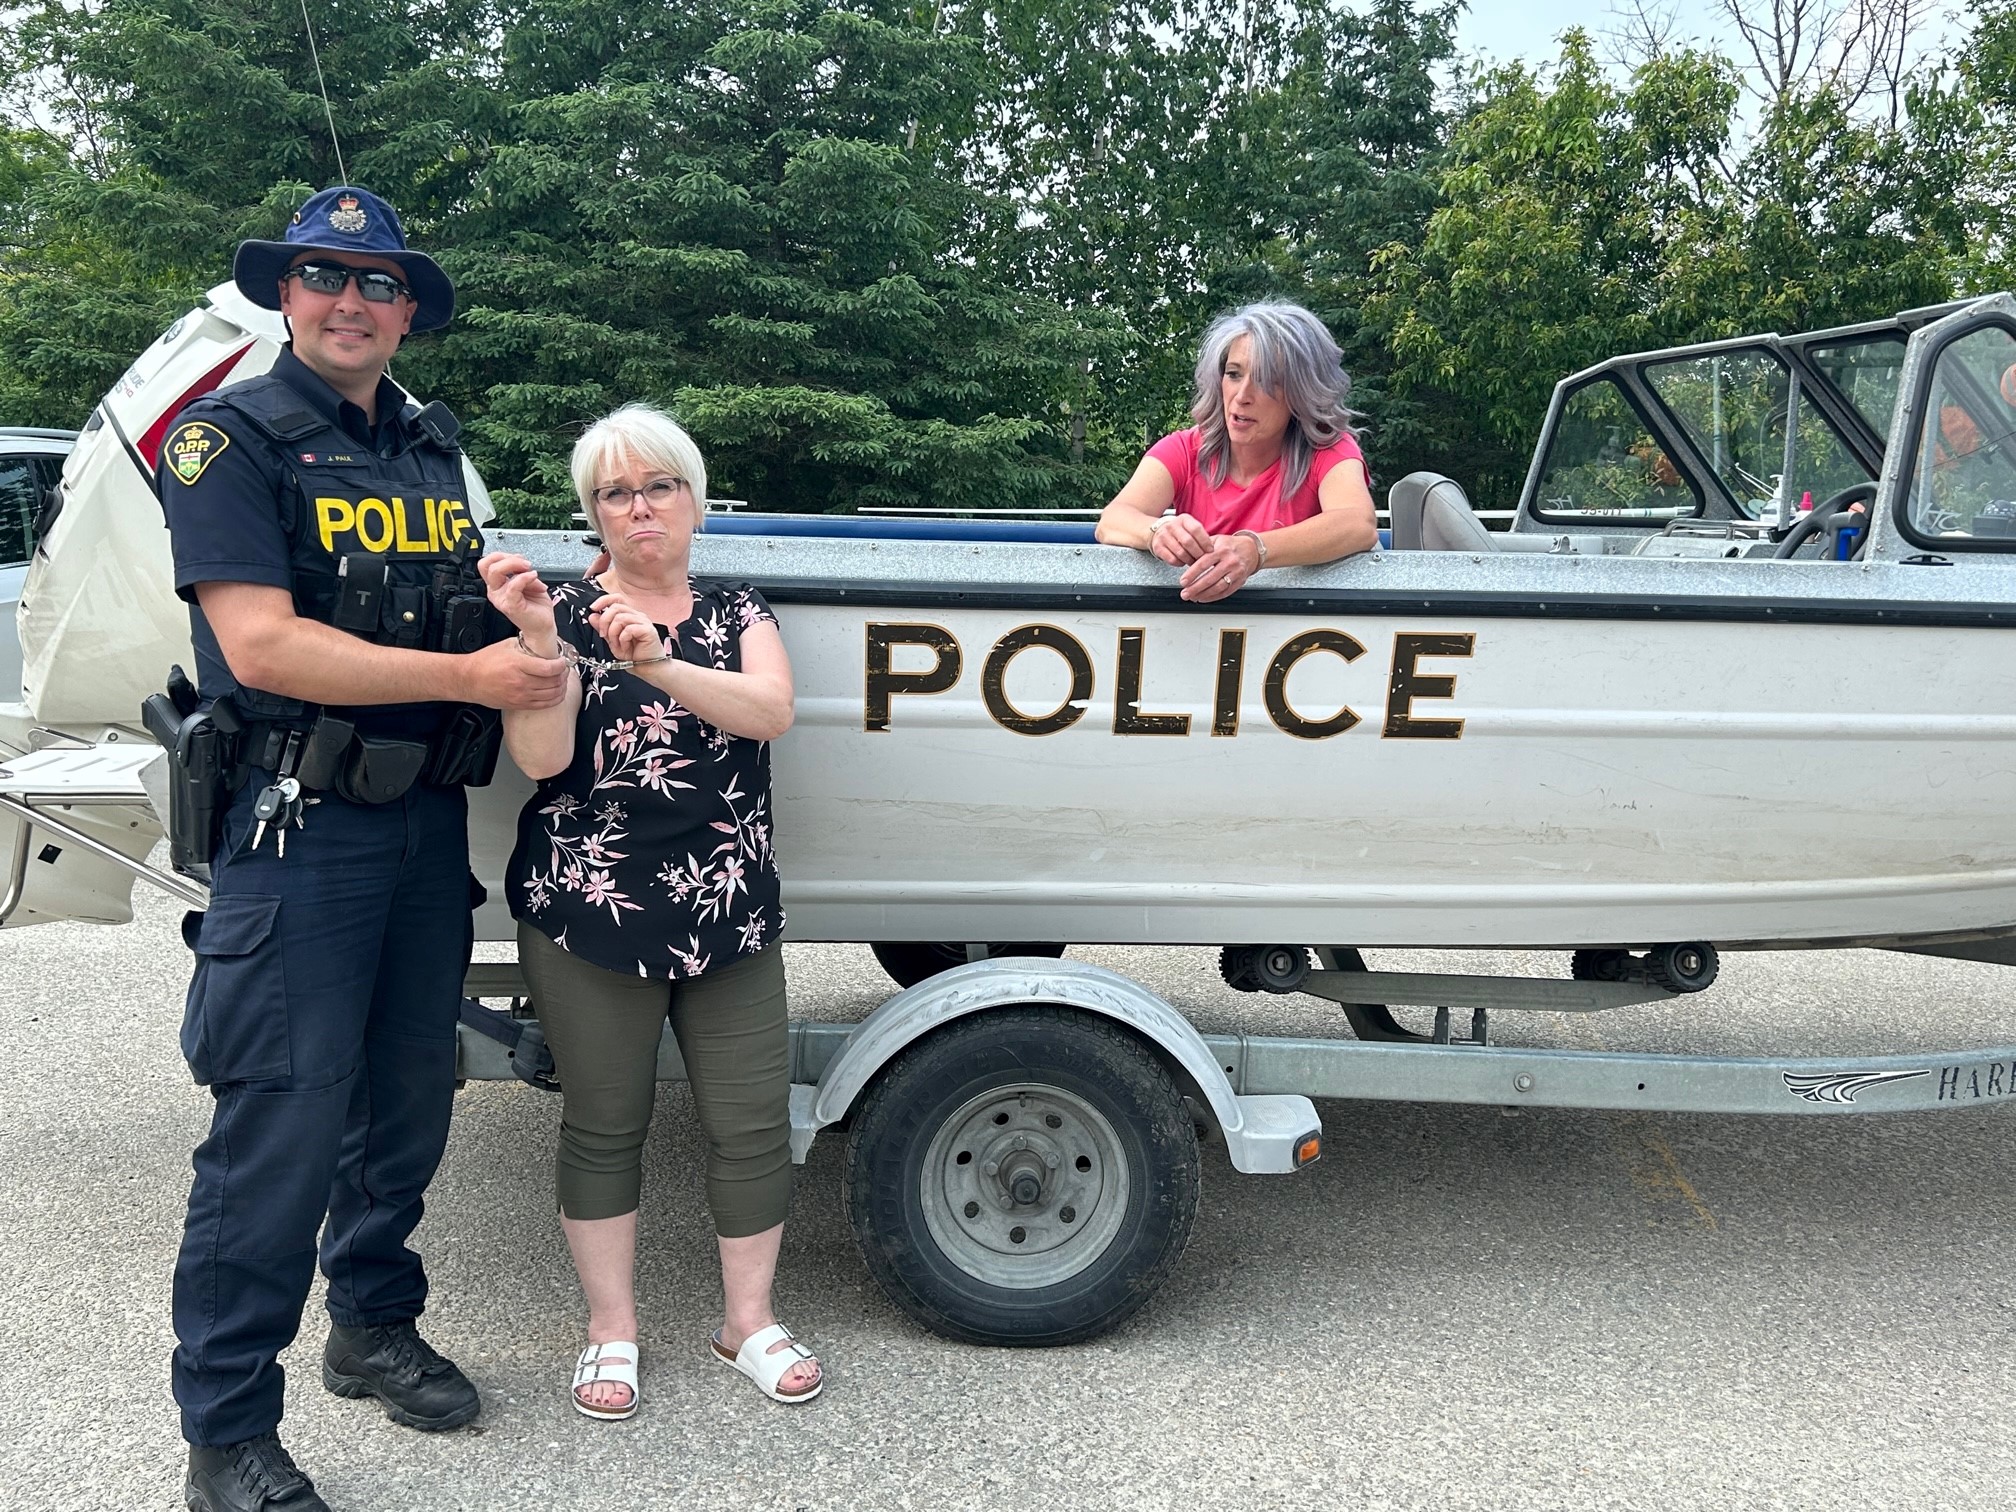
[(1220, 570), (1214, 567), (626, 628)]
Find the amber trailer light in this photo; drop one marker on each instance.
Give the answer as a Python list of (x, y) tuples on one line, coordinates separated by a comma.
[(1308, 1148)]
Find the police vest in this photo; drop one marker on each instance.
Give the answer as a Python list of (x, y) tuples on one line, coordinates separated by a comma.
[(383, 547)]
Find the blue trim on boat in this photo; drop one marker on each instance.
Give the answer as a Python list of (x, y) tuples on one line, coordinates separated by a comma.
[(856, 527)]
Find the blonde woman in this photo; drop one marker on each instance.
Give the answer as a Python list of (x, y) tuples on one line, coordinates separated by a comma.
[(644, 886)]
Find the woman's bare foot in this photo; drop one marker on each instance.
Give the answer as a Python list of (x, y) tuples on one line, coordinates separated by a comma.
[(796, 1381)]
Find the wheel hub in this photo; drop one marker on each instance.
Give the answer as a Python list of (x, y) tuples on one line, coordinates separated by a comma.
[(1025, 1185), (1020, 1165)]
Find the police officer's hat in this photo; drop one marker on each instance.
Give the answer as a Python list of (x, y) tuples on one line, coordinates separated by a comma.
[(345, 219)]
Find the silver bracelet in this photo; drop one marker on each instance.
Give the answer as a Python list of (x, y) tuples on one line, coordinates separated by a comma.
[(1259, 544)]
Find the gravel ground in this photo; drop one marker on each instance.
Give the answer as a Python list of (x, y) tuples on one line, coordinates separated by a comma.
[(1458, 1307)]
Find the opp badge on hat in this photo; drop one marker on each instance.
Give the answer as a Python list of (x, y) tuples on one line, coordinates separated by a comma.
[(348, 215)]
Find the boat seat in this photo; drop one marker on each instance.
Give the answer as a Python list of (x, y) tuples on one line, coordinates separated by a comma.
[(1428, 512)]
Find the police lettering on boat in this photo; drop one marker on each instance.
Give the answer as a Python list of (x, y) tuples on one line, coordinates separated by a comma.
[(1405, 683)]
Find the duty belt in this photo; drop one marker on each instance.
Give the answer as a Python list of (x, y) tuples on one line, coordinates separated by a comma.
[(330, 756)]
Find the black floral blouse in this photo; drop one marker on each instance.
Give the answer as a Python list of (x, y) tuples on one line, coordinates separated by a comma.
[(651, 852)]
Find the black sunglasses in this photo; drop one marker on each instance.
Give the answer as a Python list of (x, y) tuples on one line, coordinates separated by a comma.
[(329, 278)]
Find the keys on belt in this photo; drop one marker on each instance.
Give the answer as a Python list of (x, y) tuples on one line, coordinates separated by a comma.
[(280, 806)]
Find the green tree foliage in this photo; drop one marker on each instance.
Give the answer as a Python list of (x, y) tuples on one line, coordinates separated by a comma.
[(959, 254), (1581, 217), (1571, 217), (1171, 160), (1982, 134), (747, 211)]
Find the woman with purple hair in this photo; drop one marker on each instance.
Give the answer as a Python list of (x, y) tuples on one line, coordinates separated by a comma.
[(1271, 473)]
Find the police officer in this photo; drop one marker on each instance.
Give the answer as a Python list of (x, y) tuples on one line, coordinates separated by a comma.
[(322, 535)]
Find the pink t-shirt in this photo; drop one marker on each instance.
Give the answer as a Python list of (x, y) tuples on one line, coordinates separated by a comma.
[(1245, 506)]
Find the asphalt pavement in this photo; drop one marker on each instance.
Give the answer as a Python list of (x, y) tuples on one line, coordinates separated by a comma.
[(1456, 1308)]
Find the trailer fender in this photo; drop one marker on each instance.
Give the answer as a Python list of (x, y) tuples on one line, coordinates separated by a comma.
[(1262, 1132)]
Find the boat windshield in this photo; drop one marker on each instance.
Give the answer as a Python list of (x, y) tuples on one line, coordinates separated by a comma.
[(1867, 372), (1964, 481), (1602, 461), (1732, 405)]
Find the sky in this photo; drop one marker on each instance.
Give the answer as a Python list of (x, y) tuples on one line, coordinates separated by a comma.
[(1507, 29), (1528, 28)]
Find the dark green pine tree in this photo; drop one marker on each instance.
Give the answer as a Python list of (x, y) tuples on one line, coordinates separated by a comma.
[(748, 212)]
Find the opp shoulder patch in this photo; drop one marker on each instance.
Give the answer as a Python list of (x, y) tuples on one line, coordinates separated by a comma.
[(193, 447)]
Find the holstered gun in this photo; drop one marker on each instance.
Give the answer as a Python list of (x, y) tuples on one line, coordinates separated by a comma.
[(200, 758)]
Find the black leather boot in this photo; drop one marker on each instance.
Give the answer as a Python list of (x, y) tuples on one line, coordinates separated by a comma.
[(255, 1476), (393, 1363)]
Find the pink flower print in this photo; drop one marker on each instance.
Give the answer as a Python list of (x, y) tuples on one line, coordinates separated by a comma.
[(602, 891), (680, 884), (752, 934), (566, 805), (690, 958), (623, 735), (657, 773), (660, 721)]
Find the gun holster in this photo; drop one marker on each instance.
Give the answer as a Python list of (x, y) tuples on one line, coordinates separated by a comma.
[(200, 758)]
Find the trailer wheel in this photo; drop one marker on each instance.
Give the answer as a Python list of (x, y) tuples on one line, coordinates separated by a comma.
[(1601, 966), (1682, 968), (909, 962), (1026, 1176)]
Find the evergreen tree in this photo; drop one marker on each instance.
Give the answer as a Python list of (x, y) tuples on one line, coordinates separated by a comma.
[(744, 211)]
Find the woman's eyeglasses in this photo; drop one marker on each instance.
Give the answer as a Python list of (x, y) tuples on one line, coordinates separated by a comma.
[(657, 493), (329, 278)]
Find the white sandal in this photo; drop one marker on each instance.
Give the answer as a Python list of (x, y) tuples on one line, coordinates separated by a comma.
[(614, 1362), (755, 1361)]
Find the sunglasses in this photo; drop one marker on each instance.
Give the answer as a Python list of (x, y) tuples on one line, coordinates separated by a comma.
[(329, 278)]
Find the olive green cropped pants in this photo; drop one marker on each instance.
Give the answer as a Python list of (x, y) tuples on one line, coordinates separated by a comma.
[(604, 1027)]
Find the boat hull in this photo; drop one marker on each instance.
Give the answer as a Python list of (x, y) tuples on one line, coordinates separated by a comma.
[(1093, 763)]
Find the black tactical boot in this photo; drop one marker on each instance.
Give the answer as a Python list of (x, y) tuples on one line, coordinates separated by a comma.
[(393, 1363), (255, 1476)]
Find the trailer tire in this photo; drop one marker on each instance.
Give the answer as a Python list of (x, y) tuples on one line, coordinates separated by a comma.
[(1601, 966), (1076, 1138), (1682, 968), (909, 962)]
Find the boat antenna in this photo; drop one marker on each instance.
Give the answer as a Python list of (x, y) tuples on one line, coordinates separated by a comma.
[(321, 83)]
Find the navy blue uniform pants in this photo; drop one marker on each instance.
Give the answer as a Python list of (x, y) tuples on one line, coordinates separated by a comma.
[(322, 1016)]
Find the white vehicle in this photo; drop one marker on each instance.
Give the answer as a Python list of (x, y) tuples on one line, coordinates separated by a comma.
[(31, 460), (1643, 726)]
